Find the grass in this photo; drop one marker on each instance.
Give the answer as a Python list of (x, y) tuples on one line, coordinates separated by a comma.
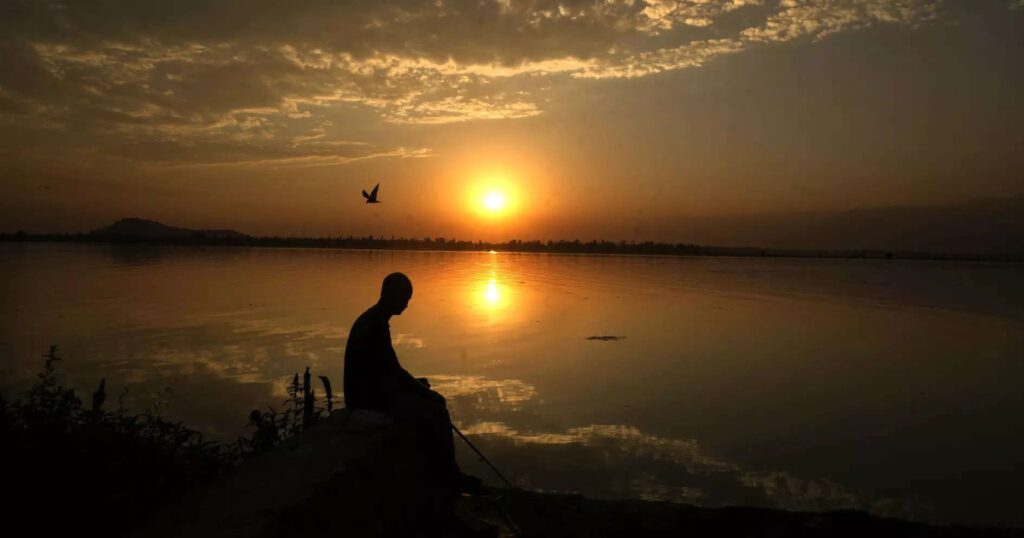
[(71, 467)]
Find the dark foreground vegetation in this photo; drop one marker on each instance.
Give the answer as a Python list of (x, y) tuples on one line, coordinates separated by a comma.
[(71, 467)]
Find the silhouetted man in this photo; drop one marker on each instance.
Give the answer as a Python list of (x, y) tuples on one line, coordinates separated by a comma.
[(374, 380)]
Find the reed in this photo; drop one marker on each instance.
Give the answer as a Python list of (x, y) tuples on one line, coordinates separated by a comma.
[(107, 470)]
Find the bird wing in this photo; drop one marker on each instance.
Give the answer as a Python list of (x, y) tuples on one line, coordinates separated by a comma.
[(373, 193), (367, 196)]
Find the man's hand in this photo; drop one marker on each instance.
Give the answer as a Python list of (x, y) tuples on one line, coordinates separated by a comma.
[(436, 397), (420, 385)]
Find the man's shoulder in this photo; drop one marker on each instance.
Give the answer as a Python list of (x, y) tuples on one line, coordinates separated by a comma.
[(368, 322)]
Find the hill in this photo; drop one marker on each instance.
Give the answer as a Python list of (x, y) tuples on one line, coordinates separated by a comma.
[(136, 228)]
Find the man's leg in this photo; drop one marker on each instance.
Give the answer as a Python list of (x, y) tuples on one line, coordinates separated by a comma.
[(443, 443), (429, 419)]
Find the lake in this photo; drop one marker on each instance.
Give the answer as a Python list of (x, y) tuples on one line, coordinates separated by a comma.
[(889, 386)]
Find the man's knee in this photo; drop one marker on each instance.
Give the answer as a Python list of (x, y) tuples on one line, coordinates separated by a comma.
[(437, 399), (439, 407), (409, 405)]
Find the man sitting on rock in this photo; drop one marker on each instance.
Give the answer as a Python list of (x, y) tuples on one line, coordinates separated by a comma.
[(374, 380)]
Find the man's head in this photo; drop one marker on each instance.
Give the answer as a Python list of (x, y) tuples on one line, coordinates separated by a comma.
[(395, 293)]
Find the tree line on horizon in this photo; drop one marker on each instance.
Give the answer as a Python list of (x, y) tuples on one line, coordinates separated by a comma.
[(383, 243), (563, 246)]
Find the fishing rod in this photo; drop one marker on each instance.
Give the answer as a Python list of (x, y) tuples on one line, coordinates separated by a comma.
[(508, 519), (484, 458)]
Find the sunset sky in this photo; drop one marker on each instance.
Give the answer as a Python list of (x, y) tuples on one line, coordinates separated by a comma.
[(609, 119)]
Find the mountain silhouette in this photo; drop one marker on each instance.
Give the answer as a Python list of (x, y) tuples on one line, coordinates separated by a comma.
[(136, 228)]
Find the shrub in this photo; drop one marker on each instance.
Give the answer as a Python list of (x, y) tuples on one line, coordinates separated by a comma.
[(72, 468)]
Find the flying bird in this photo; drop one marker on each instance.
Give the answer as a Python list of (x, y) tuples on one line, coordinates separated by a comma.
[(372, 197)]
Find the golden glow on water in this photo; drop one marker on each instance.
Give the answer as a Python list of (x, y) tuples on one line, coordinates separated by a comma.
[(502, 332), (492, 295), (489, 290)]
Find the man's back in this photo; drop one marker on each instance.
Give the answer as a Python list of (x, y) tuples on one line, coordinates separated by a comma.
[(374, 380), (370, 362)]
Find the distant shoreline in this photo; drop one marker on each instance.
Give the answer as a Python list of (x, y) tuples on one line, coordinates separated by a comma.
[(647, 248)]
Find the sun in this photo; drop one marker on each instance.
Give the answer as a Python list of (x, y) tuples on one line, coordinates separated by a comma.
[(493, 198), (494, 201)]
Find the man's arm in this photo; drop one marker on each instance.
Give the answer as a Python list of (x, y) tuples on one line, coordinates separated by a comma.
[(406, 381), (397, 378)]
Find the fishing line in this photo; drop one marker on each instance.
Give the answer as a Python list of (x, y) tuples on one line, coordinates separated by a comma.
[(484, 458), (508, 519)]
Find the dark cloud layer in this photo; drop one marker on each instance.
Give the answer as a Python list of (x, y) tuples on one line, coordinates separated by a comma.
[(214, 82)]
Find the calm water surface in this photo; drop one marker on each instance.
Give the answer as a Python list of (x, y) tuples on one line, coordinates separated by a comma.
[(893, 387)]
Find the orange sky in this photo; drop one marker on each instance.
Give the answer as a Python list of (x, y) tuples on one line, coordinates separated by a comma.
[(598, 119)]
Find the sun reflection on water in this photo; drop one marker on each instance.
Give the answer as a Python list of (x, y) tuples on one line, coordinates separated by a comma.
[(491, 294)]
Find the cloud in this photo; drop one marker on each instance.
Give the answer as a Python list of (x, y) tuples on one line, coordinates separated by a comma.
[(627, 439), (721, 481), (646, 465), (692, 54), (817, 19), (668, 14), (484, 394), (240, 82)]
